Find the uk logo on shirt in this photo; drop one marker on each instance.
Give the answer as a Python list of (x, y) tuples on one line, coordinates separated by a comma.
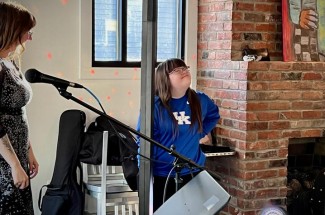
[(182, 118)]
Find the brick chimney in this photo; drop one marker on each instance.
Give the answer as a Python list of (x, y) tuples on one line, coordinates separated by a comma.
[(262, 104)]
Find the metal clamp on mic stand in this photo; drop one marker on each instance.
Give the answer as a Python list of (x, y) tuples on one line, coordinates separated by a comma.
[(177, 167), (178, 180)]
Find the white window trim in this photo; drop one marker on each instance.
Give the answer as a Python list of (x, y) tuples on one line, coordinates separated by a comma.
[(102, 73)]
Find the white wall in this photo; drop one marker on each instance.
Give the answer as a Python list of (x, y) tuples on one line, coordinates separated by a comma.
[(57, 33), (55, 51)]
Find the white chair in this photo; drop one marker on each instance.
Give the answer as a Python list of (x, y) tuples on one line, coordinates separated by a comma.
[(108, 186)]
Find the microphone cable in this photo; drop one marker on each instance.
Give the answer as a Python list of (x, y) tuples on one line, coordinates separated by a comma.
[(96, 98), (169, 176), (166, 183)]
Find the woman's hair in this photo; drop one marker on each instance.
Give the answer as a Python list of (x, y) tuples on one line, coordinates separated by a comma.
[(163, 91), (15, 21)]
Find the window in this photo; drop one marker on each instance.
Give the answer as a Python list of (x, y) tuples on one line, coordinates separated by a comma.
[(113, 72), (117, 29)]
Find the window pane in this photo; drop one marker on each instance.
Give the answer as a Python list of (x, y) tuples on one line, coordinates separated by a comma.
[(106, 31), (167, 30), (108, 39), (168, 27), (134, 30)]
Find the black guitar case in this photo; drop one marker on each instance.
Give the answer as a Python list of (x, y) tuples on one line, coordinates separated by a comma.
[(64, 195)]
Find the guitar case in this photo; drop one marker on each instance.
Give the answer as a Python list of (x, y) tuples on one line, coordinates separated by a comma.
[(64, 194)]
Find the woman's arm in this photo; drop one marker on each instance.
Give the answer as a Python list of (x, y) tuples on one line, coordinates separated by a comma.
[(7, 151), (19, 176)]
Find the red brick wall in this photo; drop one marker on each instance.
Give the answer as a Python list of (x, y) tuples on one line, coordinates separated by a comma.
[(262, 104), (226, 27)]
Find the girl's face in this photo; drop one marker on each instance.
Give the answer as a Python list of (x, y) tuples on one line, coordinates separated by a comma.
[(180, 78)]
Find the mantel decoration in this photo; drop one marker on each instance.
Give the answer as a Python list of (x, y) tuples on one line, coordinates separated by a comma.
[(303, 30)]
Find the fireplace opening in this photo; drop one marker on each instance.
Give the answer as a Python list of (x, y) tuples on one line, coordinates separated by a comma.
[(306, 176)]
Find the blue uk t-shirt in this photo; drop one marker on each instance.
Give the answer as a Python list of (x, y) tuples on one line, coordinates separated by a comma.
[(187, 139)]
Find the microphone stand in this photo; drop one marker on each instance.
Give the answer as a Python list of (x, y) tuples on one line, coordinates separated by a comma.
[(178, 180), (68, 96)]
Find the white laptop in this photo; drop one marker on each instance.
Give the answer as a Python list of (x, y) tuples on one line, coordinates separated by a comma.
[(202, 195), (213, 151)]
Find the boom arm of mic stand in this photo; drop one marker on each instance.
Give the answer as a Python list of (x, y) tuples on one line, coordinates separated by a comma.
[(69, 96)]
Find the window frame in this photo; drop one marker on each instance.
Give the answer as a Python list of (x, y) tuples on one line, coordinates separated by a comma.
[(123, 62), (130, 73)]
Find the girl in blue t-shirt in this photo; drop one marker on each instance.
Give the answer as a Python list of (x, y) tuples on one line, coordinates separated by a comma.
[(181, 118)]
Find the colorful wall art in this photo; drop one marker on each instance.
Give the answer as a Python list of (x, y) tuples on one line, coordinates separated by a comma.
[(303, 30)]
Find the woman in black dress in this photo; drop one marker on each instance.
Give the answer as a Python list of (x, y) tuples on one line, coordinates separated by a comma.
[(17, 160)]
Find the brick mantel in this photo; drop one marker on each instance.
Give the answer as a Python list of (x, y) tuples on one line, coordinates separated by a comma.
[(262, 105)]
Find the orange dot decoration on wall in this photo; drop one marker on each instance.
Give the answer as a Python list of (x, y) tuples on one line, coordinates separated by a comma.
[(64, 2), (92, 71), (90, 100), (59, 74), (116, 73), (49, 56), (135, 70)]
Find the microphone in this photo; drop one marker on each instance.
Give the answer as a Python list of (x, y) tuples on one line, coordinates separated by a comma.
[(34, 76)]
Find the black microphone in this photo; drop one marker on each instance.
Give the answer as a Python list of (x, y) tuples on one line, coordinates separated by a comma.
[(34, 76)]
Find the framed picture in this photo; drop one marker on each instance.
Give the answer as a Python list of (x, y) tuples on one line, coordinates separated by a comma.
[(303, 23)]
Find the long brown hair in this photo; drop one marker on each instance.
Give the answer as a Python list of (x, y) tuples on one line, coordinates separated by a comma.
[(163, 91), (15, 21)]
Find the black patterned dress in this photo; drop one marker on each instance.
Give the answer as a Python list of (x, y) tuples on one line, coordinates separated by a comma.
[(15, 93)]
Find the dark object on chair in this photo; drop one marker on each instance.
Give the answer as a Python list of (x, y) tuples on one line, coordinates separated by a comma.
[(64, 194), (255, 54), (122, 149)]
